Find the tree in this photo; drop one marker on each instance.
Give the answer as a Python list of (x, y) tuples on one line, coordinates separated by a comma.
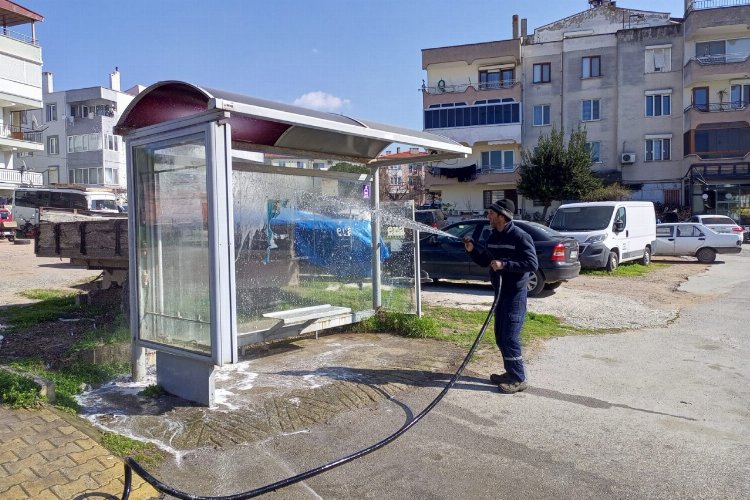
[(351, 168), (553, 172), (612, 192)]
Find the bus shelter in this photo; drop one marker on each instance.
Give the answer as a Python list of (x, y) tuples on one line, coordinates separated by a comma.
[(239, 233)]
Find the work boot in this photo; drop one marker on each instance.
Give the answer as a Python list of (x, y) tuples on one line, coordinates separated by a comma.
[(499, 379), (512, 386)]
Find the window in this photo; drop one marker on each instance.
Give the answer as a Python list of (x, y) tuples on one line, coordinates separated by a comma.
[(711, 52), (496, 78), (700, 98), (481, 113), (490, 197), (591, 67), (86, 142), (501, 159), (53, 145), (51, 114), (740, 95), (595, 149), (658, 105), (590, 110), (111, 142), (658, 59), (542, 73), (658, 149), (541, 115)]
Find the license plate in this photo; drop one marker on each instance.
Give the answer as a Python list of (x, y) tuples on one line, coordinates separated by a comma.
[(574, 254)]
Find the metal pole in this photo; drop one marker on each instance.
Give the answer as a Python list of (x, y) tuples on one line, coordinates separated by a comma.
[(375, 229)]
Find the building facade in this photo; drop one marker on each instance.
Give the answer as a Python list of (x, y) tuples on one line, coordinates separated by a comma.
[(20, 93), (79, 145), (663, 101)]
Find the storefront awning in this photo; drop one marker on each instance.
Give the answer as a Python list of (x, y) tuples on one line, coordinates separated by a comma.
[(260, 125)]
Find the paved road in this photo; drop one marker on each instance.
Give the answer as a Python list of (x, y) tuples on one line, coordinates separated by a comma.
[(657, 413)]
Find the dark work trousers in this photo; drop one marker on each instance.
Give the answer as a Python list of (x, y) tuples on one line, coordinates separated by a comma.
[(509, 318)]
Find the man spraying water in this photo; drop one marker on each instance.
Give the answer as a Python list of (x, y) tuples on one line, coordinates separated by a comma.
[(509, 252)]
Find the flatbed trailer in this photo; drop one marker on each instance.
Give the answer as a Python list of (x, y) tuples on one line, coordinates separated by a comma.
[(89, 239)]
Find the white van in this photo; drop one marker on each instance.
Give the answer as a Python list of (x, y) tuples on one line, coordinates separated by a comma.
[(609, 232), (27, 201)]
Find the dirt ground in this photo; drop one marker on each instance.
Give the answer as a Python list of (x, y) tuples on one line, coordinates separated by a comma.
[(49, 341)]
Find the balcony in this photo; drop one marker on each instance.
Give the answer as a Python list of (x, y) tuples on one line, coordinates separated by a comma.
[(472, 173), (715, 4), (20, 139), (484, 122), (716, 67), (19, 178), (701, 114)]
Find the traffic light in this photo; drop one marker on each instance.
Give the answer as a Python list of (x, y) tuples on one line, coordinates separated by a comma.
[(709, 199)]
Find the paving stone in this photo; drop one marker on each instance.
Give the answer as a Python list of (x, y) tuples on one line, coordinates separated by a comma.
[(44, 482), (14, 493), (83, 470), (59, 451)]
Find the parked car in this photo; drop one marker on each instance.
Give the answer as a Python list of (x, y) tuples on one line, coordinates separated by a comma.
[(433, 217), (443, 257), (693, 239), (720, 224)]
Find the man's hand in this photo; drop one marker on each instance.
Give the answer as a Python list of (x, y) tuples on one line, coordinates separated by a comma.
[(468, 243)]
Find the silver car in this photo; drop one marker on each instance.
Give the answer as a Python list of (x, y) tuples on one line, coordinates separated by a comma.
[(693, 239), (720, 224)]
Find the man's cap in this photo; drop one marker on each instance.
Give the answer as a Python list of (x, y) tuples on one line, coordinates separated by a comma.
[(504, 207)]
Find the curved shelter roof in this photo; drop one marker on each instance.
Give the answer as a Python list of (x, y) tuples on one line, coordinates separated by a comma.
[(270, 126)]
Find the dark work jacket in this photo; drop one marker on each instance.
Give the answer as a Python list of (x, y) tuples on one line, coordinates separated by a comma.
[(515, 248)]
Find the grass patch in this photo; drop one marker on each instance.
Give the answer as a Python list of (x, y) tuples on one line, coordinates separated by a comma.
[(152, 391), (628, 270), (111, 334), (18, 391), (145, 453), (71, 380), (51, 305), (461, 326)]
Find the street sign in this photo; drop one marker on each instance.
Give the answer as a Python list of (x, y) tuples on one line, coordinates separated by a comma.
[(366, 191)]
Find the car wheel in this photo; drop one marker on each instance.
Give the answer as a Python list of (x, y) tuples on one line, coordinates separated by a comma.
[(536, 283), (646, 259), (611, 262), (552, 286), (706, 255)]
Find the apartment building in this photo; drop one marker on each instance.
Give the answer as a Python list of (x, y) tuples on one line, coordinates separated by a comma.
[(663, 100), (403, 179), (473, 95), (79, 144), (716, 103), (20, 92)]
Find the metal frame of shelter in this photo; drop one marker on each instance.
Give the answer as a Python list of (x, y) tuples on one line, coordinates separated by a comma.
[(185, 142)]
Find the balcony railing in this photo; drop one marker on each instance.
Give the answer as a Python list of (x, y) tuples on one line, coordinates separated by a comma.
[(447, 89), (19, 178), (715, 4), (713, 59), (718, 107), (18, 36), (20, 133)]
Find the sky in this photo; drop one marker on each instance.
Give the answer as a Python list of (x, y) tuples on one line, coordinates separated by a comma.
[(361, 58)]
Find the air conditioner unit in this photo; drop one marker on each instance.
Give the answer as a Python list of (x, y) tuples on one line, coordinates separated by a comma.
[(627, 158)]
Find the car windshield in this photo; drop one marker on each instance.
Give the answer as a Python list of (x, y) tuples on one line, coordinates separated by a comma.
[(459, 230), (103, 205), (542, 228), (717, 220), (582, 218)]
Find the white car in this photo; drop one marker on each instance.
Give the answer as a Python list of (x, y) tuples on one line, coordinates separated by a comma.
[(720, 224), (693, 239)]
